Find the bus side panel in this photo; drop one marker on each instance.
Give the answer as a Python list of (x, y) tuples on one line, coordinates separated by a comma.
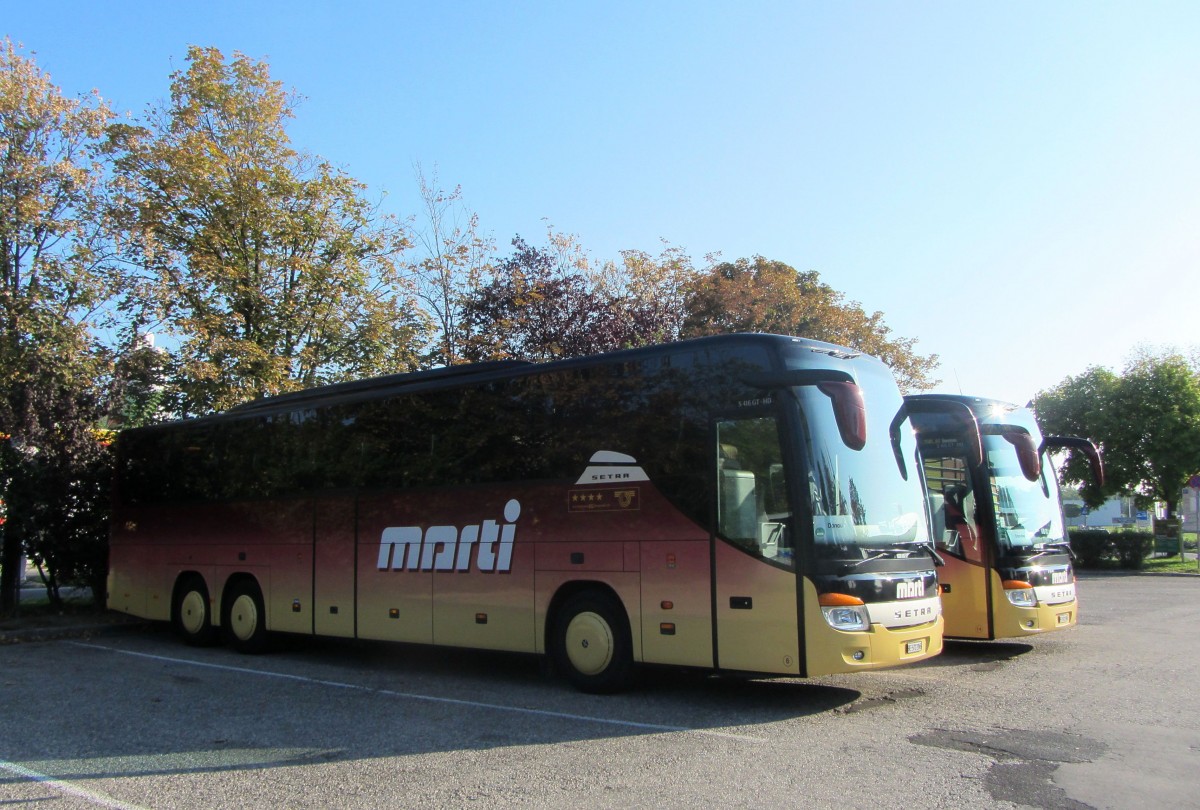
[(489, 610), (333, 567), (395, 597), (595, 532), (132, 567), (964, 598), (676, 603), (151, 547), (277, 536), (757, 625)]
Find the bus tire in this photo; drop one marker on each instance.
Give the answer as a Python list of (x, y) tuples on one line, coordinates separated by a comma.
[(191, 612), (591, 644), (245, 620)]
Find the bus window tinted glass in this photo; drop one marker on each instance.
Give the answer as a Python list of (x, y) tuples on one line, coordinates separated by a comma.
[(752, 505)]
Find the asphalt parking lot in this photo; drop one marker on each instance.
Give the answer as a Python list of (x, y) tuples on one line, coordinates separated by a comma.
[(1102, 715)]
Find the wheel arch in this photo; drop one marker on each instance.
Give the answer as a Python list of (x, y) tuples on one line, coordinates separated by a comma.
[(234, 580), (569, 589), (181, 580)]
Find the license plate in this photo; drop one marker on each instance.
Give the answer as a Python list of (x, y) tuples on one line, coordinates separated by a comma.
[(1064, 618), (913, 647)]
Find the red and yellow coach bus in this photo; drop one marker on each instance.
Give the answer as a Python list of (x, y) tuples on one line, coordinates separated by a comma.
[(996, 515), (743, 503)]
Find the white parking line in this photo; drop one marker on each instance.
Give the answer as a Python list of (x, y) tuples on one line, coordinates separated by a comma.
[(427, 698), (66, 787)]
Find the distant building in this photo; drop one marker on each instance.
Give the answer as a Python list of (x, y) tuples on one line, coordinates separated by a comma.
[(1115, 512)]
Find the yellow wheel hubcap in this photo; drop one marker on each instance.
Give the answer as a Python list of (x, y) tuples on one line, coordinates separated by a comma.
[(243, 617), (589, 643)]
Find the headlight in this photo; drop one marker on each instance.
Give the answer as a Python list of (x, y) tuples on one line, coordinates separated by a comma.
[(847, 618), (1021, 597)]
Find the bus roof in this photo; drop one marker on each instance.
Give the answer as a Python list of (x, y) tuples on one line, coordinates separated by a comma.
[(453, 376)]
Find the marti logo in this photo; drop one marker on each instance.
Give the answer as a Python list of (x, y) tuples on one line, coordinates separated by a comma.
[(448, 548), (910, 589)]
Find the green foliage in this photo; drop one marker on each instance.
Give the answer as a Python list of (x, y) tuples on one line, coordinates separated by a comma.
[(1132, 548), (1097, 548), (1146, 421), (449, 262), (1091, 546), (268, 265), (56, 470), (54, 286)]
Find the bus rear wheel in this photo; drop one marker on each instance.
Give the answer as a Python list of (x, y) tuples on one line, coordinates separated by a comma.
[(245, 620), (191, 613), (591, 643)]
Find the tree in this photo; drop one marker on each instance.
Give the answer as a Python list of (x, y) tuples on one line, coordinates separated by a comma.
[(537, 306), (647, 295), (270, 268), (1147, 422), (1084, 406), (454, 259), (59, 482), (759, 295), (54, 283)]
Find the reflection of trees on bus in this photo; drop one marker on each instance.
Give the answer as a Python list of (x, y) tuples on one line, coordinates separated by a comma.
[(539, 426)]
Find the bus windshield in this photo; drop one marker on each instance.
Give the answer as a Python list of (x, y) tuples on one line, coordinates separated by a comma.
[(1028, 513), (868, 498)]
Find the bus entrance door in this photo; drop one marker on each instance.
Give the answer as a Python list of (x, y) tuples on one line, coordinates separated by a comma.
[(754, 575), (964, 577)]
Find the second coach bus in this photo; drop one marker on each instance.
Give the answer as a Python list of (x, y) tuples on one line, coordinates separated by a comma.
[(997, 516), (743, 503)]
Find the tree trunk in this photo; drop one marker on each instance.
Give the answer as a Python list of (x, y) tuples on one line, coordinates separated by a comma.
[(10, 573)]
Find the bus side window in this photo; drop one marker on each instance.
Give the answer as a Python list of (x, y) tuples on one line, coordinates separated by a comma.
[(752, 507), (959, 511)]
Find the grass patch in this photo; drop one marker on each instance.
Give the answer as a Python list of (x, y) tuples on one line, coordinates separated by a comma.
[(36, 611), (1174, 565)]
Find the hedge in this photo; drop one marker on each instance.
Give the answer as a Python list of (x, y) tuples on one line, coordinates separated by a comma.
[(1097, 548)]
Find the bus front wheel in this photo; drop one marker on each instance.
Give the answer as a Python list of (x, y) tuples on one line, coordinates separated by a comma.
[(245, 620), (190, 613), (591, 644)]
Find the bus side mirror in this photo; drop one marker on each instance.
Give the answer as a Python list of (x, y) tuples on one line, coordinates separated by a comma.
[(1082, 445), (849, 409), (1028, 454)]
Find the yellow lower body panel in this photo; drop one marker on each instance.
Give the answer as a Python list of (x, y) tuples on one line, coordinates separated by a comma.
[(1014, 622), (832, 651)]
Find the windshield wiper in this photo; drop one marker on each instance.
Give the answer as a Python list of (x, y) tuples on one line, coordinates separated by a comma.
[(865, 560), (1050, 548), (922, 545)]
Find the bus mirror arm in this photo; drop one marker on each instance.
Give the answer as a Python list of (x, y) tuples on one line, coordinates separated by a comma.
[(1082, 445), (894, 435)]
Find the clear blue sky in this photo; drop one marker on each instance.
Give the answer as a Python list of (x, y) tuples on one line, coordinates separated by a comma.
[(1016, 185)]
